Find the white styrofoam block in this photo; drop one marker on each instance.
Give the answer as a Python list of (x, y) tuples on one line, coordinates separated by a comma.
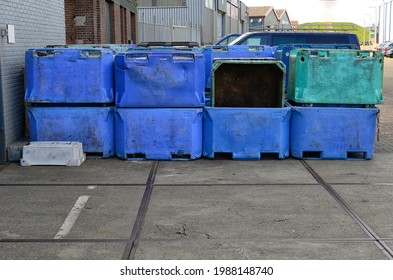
[(53, 153)]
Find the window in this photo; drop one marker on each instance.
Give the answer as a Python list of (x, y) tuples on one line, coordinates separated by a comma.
[(209, 4), (256, 40), (308, 39), (229, 39), (256, 22)]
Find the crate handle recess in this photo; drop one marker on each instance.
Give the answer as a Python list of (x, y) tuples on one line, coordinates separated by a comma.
[(183, 57), (91, 53), (365, 54), (137, 57), (41, 53)]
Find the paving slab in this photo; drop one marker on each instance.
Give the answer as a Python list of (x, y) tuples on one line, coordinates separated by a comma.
[(240, 250), (110, 213), (61, 251), (38, 212), (35, 212), (390, 244), (378, 170), (246, 212), (373, 203), (92, 171), (205, 171)]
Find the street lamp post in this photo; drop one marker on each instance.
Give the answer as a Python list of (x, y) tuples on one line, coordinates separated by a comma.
[(369, 29), (375, 24), (364, 32)]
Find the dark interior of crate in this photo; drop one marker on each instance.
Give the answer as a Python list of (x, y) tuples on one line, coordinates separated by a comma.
[(248, 85)]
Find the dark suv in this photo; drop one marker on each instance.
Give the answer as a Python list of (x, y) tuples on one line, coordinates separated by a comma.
[(284, 38)]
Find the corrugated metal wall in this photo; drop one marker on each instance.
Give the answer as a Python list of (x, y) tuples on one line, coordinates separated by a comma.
[(2, 131), (190, 16), (385, 21), (196, 17), (207, 27), (36, 25)]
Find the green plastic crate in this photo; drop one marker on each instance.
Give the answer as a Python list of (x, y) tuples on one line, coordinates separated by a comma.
[(336, 77), (248, 83)]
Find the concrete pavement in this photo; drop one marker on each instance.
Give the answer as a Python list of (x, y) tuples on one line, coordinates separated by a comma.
[(205, 209)]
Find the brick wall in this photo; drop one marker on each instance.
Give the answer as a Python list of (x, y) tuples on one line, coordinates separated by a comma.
[(115, 24), (86, 22), (69, 21)]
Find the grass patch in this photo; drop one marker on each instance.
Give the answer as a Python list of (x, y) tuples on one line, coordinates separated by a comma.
[(346, 27)]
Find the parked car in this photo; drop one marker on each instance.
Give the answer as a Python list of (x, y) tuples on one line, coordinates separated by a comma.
[(387, 47), (283, 38), (380, 46), (226, 40), (389, 53)]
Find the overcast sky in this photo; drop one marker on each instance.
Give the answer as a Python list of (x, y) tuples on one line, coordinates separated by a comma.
[(356, 11)]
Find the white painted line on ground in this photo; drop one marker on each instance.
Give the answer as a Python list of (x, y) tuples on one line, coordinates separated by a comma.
[(72, 217), (91, 187)]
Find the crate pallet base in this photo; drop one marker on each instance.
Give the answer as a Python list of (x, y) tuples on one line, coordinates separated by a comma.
[(246, 133), (93, 127), (158, 133), (159, 156), (333, 133), (338, 155), (246, 155)]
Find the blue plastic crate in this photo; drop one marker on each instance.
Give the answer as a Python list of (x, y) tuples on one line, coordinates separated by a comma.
[(93, 126), (246, 133), (69, 76), (160, 78), (283, 52), (158, 134), (232, 52), (333, 133)]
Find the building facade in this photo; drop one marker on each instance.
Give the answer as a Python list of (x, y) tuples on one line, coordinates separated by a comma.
[(268, 18), (283, 19), (200, 21), (101, 21), (23, 25)]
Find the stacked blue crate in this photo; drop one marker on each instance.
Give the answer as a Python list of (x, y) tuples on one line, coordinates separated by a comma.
[(159, 100), (212, 53), (70, 93), (247, 119), (334, 93)]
